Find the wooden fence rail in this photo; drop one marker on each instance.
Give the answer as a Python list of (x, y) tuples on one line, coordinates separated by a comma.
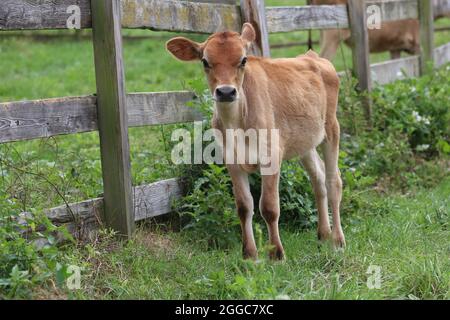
[(26, 120), (163, 15), (112, 111), (187, 16), (150, 201)]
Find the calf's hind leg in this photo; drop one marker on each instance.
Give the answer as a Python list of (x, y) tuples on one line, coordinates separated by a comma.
[(316, 171), (330, 149), (330, 41)]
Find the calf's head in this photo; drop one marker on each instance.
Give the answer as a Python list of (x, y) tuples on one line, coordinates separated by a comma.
[(223, 56)]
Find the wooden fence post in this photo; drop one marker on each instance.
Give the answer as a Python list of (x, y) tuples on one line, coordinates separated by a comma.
[(360, 50), (426, 34), (310, 40), (112, 116), (254, 11)]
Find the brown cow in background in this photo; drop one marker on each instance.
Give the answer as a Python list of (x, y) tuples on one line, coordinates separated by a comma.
[(394, 36)]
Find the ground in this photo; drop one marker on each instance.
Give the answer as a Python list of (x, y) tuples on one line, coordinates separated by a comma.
[(405, 236), (404, 233)]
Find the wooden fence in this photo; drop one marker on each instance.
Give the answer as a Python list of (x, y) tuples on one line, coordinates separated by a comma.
[(111, 111)]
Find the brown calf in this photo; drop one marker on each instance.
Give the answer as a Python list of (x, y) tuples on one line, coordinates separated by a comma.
[(394, 36), (296, 96)]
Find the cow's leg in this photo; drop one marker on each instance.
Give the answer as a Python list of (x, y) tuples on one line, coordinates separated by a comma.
[(396, 54), (330, 41), (244, 205), (333, 179), (269, 206), (316, 170)]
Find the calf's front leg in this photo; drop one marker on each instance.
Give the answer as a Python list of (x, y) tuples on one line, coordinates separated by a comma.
[(244, 206), (396, 54), (269, 206)]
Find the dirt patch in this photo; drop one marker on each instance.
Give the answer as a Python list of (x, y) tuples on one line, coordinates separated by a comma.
[(155, 241), (50, 292)]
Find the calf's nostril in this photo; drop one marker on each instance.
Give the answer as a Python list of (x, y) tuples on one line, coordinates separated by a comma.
[(226, 92)]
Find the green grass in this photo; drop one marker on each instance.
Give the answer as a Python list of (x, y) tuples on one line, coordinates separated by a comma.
[(406, 236)]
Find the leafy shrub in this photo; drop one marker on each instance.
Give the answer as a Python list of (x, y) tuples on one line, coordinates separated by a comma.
[(26, 261), (417, 108), (210, 209), (409, 128)]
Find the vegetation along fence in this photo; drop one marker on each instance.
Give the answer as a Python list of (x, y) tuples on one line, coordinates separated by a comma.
[(111, 111)]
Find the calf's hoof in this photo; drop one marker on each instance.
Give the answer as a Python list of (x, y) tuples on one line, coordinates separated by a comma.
[(277, 254), (324, 235), (338, 240), (250, 253)]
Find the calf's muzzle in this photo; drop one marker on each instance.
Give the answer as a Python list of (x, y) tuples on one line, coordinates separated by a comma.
[(226, 94)]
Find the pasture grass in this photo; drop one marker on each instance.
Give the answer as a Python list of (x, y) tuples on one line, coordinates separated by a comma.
[(406, 236)]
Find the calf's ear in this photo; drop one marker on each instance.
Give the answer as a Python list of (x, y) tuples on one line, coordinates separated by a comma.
[(184, 49), (248, 34)]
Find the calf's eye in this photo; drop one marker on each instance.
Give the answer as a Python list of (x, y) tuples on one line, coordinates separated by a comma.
[(205, 64), (243, 62)]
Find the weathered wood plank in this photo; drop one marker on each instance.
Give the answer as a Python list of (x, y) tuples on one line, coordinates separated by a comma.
[(118, 211), (409, 67), (360, 50), (160, 108), (180, 16), (43, 14), (442, 55), (254, 12), (81, 219), (396, 9), (213, 1), (426, 35), (150, 200), (152, 14), (441, 8), (408, 9), (393, 70), (156, 199), (76, 211), (203, 16), (25, 120), (286, 19)]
